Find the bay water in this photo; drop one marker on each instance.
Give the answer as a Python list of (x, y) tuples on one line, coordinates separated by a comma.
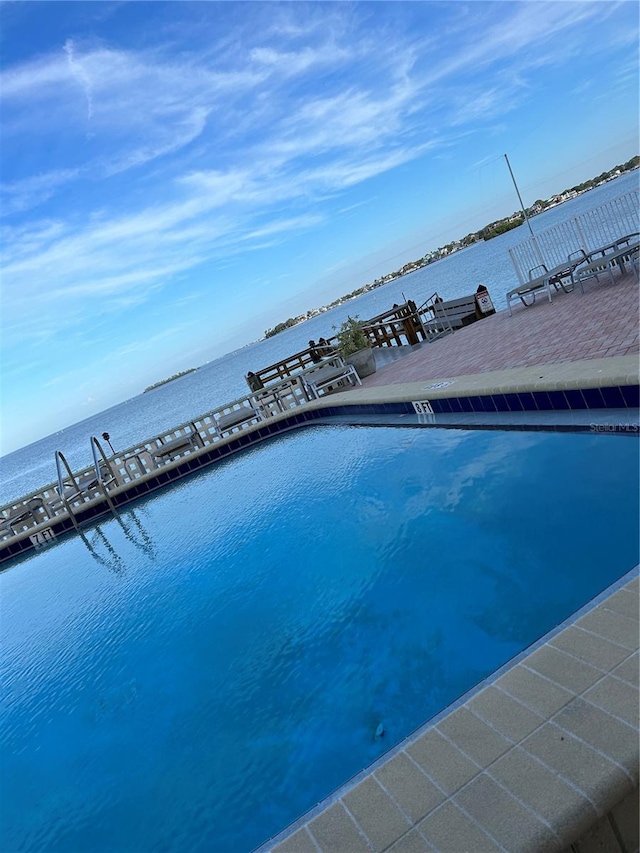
[(222, 380)]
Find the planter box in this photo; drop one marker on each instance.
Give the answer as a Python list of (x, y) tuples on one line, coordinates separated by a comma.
[(363, 361)]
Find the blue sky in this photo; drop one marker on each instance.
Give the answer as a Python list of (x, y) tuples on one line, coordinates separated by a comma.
[(178, 177)]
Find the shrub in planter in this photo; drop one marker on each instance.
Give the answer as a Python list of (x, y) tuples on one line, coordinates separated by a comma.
[(354, 346)]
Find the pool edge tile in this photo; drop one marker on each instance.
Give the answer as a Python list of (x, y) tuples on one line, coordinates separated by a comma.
[(435, 754)]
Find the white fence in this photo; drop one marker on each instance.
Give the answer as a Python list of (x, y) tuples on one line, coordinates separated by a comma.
[(111, 475), (588, 231)]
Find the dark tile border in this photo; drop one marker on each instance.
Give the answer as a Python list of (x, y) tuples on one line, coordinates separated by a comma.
[(618, 397), (609, 397)]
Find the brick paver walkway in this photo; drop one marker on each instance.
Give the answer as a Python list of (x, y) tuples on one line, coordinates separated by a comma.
[(602, 322)]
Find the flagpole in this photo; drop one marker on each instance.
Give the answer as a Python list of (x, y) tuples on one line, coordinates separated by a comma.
[(524, 212)]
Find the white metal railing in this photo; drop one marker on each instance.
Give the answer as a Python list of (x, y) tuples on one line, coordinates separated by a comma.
[(595, 227), (109, 475), (610, 221)]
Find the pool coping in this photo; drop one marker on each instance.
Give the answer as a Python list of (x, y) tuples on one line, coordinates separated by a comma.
[(600, 384), (529, 759), (540, 387)]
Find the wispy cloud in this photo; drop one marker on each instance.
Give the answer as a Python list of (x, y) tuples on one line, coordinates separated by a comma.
[(148, 107), (81, 75), (22, 195), (130, 162)]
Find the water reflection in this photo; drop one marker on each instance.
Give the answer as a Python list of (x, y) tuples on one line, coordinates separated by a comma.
[(103, 551)]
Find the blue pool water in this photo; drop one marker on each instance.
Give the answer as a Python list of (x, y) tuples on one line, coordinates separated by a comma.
[(197, 674)]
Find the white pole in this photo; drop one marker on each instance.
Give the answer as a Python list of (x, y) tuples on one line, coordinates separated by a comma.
[(524, 213)]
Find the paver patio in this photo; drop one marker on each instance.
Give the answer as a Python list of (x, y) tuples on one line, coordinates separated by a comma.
[(603, 322)]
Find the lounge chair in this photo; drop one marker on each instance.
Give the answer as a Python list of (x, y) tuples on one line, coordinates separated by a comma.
[(237, 417), (269, 401), (168, 450), (628, 242), (30, 510), (602, 261), (541, 278), (326, 377)]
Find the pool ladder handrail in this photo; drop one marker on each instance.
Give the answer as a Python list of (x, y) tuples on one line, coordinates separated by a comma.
[(97, 451)]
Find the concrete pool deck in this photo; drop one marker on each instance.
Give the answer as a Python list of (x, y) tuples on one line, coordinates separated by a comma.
[(543, 756), (539, 756)]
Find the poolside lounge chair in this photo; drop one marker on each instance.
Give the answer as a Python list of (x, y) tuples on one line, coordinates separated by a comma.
[(541, 278), (327, 377), (602, 261), (272, 401), (168, 450), (28, 511), (599, 266), (237, 417), (628, 242)]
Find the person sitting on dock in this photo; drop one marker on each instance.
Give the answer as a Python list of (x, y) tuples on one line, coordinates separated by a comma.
[(324, 348), (313, 352), (253, 381)]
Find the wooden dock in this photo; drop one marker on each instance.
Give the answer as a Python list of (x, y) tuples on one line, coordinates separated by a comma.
[(401, 325)]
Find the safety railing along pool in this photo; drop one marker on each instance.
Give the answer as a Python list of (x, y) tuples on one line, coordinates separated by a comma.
[(116, 479)]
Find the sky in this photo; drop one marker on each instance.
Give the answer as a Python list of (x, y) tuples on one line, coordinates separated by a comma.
[(178, 177)]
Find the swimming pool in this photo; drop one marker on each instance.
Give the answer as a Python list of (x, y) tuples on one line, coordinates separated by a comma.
[(201, 671)]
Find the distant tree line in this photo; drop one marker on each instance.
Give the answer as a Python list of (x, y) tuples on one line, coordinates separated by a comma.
[(496, 228), (293, 321), (624, 167), (633, 163), (486, 233), (169, 379), (281, 327)]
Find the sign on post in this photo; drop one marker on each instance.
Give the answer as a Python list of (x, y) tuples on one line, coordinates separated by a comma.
[(484, 303)]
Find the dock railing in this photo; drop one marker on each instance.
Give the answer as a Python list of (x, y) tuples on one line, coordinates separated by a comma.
[(398, 326), (109, 475), (435, 323)]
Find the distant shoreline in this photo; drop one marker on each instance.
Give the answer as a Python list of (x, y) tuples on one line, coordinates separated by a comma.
[(169, 379), (493, 229)]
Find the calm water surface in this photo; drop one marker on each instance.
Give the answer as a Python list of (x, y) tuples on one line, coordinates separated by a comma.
[(197, 674), (223, 380)]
